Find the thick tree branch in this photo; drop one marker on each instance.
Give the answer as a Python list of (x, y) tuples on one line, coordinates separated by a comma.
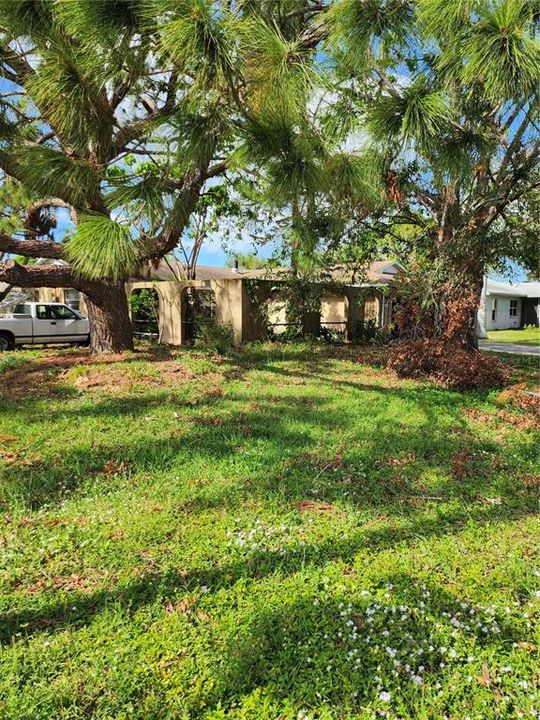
[(42, 276), (31, 248)]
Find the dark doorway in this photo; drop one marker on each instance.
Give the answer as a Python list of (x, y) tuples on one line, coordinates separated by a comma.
[(198, 309)]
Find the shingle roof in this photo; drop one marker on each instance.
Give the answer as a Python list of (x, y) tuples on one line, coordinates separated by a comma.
[(378, 272)]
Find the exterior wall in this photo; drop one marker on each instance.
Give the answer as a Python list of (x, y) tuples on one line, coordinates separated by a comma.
[(228, 295), (363, 305), (253, 322), (503, 320), (340, 311), (229, 305)]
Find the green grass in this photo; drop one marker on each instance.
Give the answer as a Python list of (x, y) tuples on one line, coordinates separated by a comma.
[(526, 336), (289, 533)]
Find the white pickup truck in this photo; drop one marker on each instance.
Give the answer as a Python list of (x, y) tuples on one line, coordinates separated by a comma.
[(37, 323)]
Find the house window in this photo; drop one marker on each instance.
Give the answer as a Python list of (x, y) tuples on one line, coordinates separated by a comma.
[(513, 308), (494, 309), (72, 298)]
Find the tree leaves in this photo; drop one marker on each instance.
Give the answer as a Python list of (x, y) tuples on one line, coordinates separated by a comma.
[(49, 172), (416, 114), (102, 248)]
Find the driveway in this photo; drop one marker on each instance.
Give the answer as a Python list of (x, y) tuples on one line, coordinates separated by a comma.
[(509, 348)]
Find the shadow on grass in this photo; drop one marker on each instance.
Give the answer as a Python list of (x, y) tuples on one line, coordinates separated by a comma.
[(79, 608), (376, 457)]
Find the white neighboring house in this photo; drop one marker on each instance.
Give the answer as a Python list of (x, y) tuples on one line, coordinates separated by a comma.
[(505, 306)]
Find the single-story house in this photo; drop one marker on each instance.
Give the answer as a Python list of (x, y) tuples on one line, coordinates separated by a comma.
[(234, 296), (505, 305)]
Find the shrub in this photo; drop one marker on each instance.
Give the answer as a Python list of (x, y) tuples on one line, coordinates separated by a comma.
[(215, 337), (451, 366)]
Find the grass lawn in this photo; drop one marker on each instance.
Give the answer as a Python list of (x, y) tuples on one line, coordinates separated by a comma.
[(527, 336), (292, 533)]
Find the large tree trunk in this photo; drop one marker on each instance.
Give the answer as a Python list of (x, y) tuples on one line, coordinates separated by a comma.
[(462, 303), (110, 324)]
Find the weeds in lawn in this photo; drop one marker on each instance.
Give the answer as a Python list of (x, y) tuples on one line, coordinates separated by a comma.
[(287, 532)]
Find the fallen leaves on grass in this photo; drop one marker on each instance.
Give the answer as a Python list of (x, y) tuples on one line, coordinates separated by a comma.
[(312, 506), (181, 606), (398, 461), (463, 464), (113, 468), (521, 396)]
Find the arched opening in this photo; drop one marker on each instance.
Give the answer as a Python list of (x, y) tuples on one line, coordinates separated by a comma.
[(198, 309), (144, 304)]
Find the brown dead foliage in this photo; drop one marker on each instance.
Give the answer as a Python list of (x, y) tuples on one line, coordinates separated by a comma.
[(313, 506), (449, 365), (398, 461), (42, 377), (531, 483), (522, 397), (69, 583), (463, 464), (181, 606), (213, 421), (522, 421), (113, 468)]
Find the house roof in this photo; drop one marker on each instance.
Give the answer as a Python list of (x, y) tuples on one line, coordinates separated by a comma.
[(524, 289), (379, 272)]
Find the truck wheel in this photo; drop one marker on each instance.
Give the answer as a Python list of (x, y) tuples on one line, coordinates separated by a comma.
[(6, 342)]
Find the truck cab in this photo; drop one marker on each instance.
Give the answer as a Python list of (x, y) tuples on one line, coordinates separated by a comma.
[(36, 323)]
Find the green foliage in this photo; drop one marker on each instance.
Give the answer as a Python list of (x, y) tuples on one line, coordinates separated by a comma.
[(144, 304), (355, 178), (501, 52), (416, 114), (102, 248), (215, 337), (356, 24), (50, 173), (199, 38)]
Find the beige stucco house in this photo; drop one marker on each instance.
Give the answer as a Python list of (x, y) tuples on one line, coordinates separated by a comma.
[(234, 296)]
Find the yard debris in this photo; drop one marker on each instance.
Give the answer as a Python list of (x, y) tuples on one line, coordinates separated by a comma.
[(463, 464), (522, 396), (484, 678), (397, 461), (522, 421), (9, 438), (425, 498), (313, 506), (491, 501), (181, 606), (113, 468), (449, 365)]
